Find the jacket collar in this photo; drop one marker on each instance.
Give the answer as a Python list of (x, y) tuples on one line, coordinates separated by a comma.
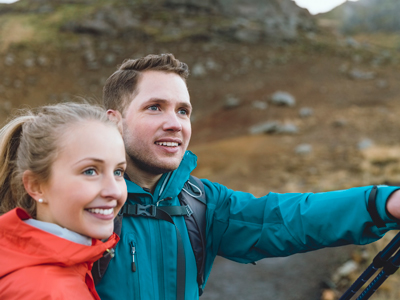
[(23, 245), (171, 183)]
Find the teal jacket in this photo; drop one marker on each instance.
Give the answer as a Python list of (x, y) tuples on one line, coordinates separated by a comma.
[(240, 227)]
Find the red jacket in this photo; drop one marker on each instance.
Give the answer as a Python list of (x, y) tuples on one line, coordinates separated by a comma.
[(35, 264)]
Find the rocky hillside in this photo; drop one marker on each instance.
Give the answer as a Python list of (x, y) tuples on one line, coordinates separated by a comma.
[(368, 16)]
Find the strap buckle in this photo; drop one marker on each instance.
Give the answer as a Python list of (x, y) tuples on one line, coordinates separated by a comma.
[(189, 210), (146, 210)]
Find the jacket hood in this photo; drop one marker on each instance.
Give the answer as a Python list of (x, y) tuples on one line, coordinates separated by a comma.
[(22, 245)]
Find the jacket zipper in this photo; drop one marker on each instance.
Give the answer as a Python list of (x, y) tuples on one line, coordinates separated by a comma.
[(133, 251), (134, 267)]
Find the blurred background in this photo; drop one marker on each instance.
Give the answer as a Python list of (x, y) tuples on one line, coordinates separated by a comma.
[(284, 101)]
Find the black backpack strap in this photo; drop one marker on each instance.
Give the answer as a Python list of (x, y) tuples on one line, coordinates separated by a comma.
[(194, 197)]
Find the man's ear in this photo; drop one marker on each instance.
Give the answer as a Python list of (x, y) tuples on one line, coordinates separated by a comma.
[(32, 185), (115, 116)]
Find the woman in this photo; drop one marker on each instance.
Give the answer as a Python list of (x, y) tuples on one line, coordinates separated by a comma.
[(61, 185)]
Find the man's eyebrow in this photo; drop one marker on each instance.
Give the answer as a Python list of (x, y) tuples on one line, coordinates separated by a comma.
[(160, 100)]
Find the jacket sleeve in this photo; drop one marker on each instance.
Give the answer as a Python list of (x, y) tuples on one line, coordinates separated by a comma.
[(244, 228)]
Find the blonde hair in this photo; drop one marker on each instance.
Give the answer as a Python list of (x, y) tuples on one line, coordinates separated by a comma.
[(31, 141)]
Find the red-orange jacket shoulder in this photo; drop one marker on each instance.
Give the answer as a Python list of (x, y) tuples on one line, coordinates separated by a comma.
[(39, 265)]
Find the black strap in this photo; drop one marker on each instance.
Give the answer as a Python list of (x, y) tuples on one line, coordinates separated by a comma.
[(372, 208), (160, 213)]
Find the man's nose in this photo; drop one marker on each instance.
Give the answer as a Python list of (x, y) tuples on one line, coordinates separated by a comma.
[(172, 122)]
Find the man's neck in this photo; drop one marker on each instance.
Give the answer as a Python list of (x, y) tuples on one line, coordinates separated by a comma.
[(142, 178)]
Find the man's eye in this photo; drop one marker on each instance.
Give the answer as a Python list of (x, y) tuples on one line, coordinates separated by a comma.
[(153, 107), (183, 112), (90, 172)]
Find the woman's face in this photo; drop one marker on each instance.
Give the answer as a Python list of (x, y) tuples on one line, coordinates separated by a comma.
[(86, 188)]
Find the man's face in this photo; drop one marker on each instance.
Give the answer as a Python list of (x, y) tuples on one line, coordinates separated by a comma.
[(156, 124)]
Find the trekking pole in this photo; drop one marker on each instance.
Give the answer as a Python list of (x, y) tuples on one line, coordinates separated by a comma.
[(378, 262), (390, 268)]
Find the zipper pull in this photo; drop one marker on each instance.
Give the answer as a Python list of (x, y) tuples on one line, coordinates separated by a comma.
[(133, 250)]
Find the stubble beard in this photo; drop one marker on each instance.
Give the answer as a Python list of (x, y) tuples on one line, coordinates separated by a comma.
[(149, 163)]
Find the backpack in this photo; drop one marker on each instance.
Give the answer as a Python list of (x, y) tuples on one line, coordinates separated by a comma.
[(193, 209)]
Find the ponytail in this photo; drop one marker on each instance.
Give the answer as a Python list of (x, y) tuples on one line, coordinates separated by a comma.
[(10, 137)]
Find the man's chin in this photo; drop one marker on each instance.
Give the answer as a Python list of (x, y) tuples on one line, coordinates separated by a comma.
[(161, 167)]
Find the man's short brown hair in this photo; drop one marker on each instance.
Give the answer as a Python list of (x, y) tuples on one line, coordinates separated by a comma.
[(120, 86)]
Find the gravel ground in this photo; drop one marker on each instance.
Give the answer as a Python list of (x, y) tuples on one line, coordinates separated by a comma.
[(297, 277)]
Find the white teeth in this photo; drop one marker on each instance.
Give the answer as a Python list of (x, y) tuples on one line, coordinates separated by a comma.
[(168, 144), (101, 211)]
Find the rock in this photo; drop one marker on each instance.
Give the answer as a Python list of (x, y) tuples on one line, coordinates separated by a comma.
[(29, 62), (351, 42), (231, 102), (259, 105), (122, 19), (212, 65), (306, 112), (89, 55), (382, 83), (288, 128), (274, 127), (339, 123), (361, 75), (9, 60), (110, 59), (345, 270), (199, 70), (248, 35), (96, 27), (268, 127), (42, 61), (364, 144), (278, 19), (283, 98), (303, 149)]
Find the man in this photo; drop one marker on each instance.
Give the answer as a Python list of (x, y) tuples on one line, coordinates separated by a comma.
[(149, 100)]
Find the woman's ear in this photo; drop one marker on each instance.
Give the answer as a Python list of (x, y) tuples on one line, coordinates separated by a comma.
[(32, 186), (115, 116)]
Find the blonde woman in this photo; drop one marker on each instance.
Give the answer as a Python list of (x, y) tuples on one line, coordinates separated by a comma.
[(61, 185)]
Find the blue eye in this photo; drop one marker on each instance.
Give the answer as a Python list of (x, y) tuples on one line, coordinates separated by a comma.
[(153, 107), (90, 172), (183, 112), (119, 173)]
